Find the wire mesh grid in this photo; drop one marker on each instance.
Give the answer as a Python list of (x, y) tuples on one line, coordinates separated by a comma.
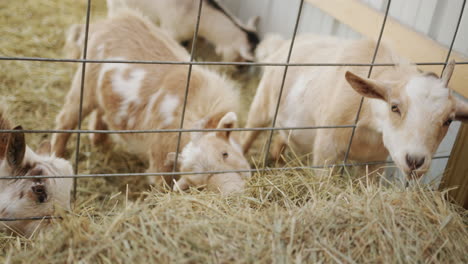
[(84, 61)]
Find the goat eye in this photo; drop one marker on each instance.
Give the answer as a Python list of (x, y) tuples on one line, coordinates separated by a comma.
[(225, 155), (395, 109), (448, 122)]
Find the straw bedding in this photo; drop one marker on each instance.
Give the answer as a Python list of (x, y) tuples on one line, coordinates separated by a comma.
[(282, 217)]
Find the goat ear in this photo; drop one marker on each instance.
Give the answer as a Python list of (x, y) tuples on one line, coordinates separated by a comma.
[(16, 148), (229, 120), (448, 71), (44, 148), (461, 111), (366, 87), (253, 23)]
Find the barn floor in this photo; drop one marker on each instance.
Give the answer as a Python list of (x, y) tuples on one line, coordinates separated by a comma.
[(282, 217)]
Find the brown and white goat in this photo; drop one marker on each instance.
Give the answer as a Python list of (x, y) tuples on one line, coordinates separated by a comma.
[(406, 113), (25, 198), (145, 96), (233, 40)]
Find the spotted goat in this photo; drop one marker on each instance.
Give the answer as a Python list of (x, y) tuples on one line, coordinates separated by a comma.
[(32, 197), (406, 113), (151, 96)]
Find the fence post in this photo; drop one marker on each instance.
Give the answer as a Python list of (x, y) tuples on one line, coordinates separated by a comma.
[(456, 172)]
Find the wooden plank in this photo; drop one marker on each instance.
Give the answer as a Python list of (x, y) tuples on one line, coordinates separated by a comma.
[(407, 42), (456, 172)]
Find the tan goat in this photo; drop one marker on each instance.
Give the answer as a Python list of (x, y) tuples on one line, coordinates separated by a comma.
[(269, 45), (143, 96), (406, 112), (25, 198), (233, 40)]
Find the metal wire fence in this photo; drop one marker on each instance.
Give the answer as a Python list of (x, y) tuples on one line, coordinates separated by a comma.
[(84, 61)]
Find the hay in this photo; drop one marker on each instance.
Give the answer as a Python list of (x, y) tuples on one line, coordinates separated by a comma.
[(282, 217)]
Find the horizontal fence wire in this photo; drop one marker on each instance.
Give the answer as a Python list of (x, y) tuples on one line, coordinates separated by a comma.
[(50, 217), (181, 130), (89, 131), (266, 169), (46, 217), (38, 59)]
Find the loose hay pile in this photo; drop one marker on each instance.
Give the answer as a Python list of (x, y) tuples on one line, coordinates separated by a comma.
[(283, 217)]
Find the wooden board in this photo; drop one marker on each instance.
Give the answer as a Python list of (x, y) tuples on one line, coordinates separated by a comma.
[(410, 44), (456, 172)]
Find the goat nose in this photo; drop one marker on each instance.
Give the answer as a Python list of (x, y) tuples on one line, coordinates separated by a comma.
[(414, 162), (40, 192)]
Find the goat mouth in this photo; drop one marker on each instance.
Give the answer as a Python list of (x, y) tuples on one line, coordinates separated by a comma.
[(42, 198), (415, 174)]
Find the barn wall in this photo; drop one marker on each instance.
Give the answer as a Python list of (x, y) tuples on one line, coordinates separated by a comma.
[(435, 18)]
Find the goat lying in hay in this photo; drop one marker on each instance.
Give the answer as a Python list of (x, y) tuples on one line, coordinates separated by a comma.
[(133, 96), (406, 112), (25, 198), (233, 40)]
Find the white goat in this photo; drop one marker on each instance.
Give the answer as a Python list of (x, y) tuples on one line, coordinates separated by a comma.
[(406, 112), (233, 40), (24, 198), (144, 96)]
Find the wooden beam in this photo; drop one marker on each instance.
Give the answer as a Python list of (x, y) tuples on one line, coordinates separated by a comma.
[(408, 43), (456, 172)]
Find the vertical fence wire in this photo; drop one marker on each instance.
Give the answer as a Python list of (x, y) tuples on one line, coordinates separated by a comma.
[(189, 75), (454, 35), (278, 102), (84, 61), (83, 73), (368, 76)]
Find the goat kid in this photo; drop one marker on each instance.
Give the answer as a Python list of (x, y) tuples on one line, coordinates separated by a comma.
[(406, 113), (25, 198), (233, 40), (143, 96)]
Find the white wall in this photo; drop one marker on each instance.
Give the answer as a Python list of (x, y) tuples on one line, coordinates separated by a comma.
[(434, 18), (279, 16)]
